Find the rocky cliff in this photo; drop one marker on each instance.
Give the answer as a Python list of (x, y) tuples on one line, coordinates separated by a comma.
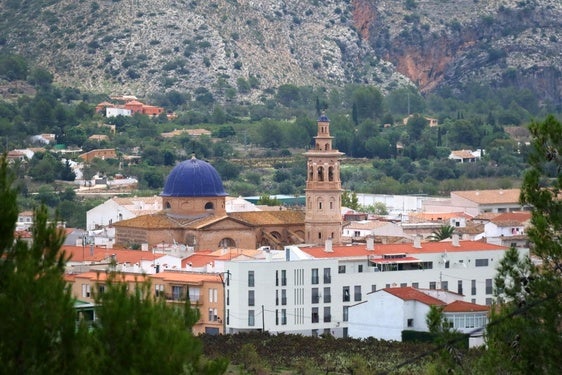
[(242, 48)]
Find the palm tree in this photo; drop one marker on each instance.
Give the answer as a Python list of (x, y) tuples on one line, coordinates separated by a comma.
[(443, 232)]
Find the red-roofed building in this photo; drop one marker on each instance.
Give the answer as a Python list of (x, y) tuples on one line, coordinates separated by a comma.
[(386, 313), (309, 289)]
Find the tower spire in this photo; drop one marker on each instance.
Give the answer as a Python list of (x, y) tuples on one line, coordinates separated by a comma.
[(323, 219)]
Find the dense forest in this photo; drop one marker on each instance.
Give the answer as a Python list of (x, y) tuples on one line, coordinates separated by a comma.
[(387, 139)]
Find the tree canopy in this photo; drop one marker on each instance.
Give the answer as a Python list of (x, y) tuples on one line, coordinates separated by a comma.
[(136, 333)]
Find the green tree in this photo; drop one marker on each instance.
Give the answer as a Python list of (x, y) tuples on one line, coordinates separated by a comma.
[(349, 199), (524, 333), (140, 334), (442, 233), (38, 334), (135, 333)]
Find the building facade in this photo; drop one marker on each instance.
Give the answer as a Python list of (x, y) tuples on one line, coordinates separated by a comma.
[(309, 290), (323, 191)]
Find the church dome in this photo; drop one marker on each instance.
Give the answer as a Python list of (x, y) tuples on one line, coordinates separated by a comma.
[(193, 178)]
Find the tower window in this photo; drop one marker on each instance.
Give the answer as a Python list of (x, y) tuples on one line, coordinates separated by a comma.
[(319, 205), (168, 205), (331, 174), (209, 206), (320, 174)]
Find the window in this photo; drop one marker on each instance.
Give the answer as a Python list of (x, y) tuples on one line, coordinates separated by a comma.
[(488, 301), (213, 317), (276, 298), (473, 287), (341, 269), (251, 318), (327, 314), (251, 296), (403, 285), (327, 276), (283, 296), (360, 268), (459, 287), (481, 263), (159, 290), (373, 288), (283, 316), (356, 233), (445, 285), (315, 295), (251, 281), (432, 285), (276, 278), (357, 292), (314, 315), (415, 285), (283, 277), (101, 289), (410, 322), (177, 292), (86, 290), (489, 287), (327, 295), (345, 294), (315, 276), (228, 297), (345, 313), (194, 294), (213, 295)]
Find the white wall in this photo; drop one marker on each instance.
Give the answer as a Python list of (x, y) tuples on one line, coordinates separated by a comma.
[(299, 287)]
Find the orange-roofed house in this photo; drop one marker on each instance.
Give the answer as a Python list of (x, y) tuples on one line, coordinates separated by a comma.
[(205, 292), (101, 153), (387, 313), (86, 285)]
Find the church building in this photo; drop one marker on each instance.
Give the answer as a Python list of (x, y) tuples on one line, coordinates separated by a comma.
[(194, 213)]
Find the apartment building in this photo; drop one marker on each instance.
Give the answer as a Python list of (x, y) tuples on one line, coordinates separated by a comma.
[(309, 290)]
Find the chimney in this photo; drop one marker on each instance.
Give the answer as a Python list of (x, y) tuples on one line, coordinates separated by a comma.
[(456, 240), (328, 246), (417, 241), (370, 243)]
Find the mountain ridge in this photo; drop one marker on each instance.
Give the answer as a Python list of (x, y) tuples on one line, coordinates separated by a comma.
[(147, 46)]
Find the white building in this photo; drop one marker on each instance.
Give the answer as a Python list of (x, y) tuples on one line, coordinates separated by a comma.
[(359, 230), (386, 313), (121, 208), (308, 290), (476, 202), (114, 112)]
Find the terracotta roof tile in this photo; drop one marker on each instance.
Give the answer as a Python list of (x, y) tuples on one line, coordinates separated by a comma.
[(186, 277), (82, 253), (360, 250), (270, 217), (412, 294)]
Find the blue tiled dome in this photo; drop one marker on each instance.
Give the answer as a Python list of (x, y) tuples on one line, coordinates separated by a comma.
[(193, 178)]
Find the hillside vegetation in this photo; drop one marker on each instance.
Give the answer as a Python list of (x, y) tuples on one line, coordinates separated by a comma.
[(241, 49)]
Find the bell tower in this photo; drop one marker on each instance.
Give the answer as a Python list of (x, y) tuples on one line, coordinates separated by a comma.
[(323, 219)]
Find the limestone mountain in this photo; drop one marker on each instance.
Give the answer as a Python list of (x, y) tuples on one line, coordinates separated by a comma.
[(243, 48)]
